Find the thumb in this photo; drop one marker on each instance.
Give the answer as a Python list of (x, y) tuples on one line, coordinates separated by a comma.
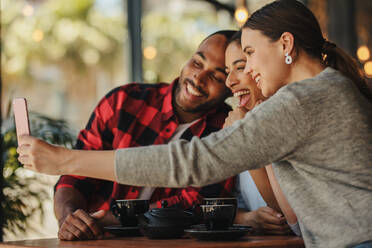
[(98, 214)]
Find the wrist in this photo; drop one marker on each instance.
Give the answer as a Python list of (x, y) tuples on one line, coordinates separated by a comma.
[(68, 165), (250, 217), (67, 210)]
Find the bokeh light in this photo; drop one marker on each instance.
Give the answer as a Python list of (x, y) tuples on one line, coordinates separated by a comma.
[(363, 53), (149, 52), (37, 35), (28, 10), (368, 68), (241, 14), (90, 56)]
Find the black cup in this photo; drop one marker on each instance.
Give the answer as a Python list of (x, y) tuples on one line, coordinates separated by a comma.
[(218, 217), (126, 211), (222, 201)]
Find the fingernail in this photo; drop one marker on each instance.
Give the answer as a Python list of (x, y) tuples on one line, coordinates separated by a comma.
[(279, 215)]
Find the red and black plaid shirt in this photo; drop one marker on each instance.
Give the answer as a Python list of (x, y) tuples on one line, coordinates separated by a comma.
[(140, 115)]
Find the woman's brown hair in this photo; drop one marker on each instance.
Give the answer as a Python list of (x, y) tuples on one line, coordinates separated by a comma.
[(292, 16)]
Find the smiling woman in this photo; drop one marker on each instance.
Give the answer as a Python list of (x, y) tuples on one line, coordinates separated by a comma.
[(316, 128), (261, 201)]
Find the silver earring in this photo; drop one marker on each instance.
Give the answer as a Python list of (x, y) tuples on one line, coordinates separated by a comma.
[(288, 59)]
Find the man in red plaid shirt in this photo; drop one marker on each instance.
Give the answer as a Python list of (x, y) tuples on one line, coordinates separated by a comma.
[(145, 114)]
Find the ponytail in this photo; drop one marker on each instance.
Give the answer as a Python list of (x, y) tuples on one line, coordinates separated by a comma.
[(338, 59)]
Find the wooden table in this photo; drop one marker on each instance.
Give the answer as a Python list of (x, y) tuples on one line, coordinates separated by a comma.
[(143, 242)]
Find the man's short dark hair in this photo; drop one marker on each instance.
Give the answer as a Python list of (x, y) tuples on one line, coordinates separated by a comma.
[(227, 33)]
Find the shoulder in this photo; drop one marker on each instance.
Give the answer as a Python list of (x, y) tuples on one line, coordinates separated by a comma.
[(329, 82), (134, 92), (327, 88)]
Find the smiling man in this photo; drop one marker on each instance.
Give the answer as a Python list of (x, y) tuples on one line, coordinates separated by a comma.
[(145, 114)]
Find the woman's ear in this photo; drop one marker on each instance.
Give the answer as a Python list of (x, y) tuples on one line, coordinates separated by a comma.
[(287, 42)]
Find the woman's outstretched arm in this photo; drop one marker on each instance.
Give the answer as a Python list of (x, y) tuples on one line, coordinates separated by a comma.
[(268, 133), (40, 156)]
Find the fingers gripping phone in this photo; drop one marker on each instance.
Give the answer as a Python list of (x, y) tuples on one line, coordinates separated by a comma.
[(21, 117)]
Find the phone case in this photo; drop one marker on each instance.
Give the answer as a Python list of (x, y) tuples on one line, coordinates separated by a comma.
[(21, 116)]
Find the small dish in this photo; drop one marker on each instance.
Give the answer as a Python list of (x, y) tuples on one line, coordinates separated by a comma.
[(232, 233), (162, 232), (123, 231)]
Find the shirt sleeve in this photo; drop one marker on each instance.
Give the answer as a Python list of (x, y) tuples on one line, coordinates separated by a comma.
[(268, 133), (95, 136), (241, 202)]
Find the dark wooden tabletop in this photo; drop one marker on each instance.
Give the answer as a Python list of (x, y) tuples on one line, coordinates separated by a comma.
[(143, 242)]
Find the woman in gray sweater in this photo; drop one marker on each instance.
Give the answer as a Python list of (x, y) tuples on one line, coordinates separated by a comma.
[(316, 128)]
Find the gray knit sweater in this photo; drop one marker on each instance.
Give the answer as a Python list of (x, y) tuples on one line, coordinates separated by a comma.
[(318, 133)]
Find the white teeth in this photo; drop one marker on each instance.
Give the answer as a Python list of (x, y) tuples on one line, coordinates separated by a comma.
[(258, 78), (240, 93), (192, 90)]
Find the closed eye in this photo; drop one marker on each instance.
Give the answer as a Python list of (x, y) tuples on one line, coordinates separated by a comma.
[(218, 79)]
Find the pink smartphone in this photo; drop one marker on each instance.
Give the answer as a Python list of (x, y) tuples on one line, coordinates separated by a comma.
[(21, 116)]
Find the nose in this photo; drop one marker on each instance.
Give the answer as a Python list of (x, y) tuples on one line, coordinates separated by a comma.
[(247, 69), (199, 77), (231, 80)]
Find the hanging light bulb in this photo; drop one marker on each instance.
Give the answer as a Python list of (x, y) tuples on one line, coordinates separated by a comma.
[(241, 12)]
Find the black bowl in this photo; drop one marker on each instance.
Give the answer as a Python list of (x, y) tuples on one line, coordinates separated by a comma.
[(127, 211)]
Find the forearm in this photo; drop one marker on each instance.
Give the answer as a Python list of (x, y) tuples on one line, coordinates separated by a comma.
[(263, 185), (281, 199), (95, 164), (66, 201)]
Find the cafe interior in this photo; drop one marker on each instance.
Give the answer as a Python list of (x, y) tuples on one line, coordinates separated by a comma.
[(65, 55)]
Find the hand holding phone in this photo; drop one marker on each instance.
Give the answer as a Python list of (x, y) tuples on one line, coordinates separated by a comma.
[(21, 117)]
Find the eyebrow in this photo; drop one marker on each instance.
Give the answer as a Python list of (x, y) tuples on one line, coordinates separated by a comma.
[(221, 70), (238, 61), (201, 55)]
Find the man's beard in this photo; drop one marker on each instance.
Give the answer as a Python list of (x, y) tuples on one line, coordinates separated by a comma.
[(201, 108)]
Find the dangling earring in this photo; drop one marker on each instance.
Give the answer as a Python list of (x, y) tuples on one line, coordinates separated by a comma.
[(288, 59)]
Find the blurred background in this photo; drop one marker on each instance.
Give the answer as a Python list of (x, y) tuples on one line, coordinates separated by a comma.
[(65, 55)]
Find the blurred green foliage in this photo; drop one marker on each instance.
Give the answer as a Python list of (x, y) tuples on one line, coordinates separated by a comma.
[(58, 31), (23, 195)]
